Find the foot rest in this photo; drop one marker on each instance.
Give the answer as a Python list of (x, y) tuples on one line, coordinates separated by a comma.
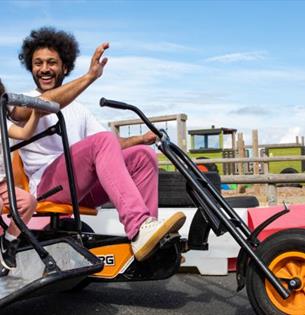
[(29, 277)]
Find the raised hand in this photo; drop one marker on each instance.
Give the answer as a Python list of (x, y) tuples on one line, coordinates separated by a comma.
[(97, 64)]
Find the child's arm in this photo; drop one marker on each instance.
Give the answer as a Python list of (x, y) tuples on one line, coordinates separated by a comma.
[(25, 131)]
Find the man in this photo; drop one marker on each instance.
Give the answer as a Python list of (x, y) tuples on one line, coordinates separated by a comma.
[(26, 203), (123, 170)]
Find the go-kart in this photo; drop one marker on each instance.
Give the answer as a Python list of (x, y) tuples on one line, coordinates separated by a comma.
[(272, 270)]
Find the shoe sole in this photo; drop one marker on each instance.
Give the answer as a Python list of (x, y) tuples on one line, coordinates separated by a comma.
[(171, 225)]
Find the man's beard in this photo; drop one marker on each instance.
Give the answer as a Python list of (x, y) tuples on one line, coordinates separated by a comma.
[(58, 81)]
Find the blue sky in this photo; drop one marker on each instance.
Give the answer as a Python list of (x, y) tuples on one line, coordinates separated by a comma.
[(235, 64)]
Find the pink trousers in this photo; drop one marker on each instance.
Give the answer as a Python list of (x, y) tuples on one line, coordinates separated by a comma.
[(103, 172), (26, 205)]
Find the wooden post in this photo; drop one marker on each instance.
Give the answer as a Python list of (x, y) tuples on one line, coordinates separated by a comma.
[(266, 172), (181, 132), (234, 142), (241, 154), (255, 151), (255, 155), (266, 166), (114, 127), (272, 194)]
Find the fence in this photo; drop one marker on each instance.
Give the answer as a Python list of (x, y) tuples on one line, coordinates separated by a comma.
[(241, 165), (271, 180), (179, 118)]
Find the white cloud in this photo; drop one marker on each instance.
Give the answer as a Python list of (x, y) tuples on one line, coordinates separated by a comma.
[(161, 87), (149, 81), (238, 57), (291, 134), (146, 66)]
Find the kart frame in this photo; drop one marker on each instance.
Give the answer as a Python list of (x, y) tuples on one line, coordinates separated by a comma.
[(213, 212)]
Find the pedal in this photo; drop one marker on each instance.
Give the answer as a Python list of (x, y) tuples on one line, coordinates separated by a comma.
[(169, 238)]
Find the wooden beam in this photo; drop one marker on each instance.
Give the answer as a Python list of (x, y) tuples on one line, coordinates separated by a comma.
[(129, 122), (263, 179)]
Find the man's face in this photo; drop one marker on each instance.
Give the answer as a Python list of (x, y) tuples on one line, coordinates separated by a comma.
[(47, 69)]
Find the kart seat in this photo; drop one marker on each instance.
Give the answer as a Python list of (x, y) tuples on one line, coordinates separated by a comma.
[(43, 207)]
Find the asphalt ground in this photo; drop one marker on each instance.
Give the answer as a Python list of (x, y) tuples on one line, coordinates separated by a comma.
[(184, 293)]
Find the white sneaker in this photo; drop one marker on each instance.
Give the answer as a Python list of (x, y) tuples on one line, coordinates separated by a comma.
[(152, 231)]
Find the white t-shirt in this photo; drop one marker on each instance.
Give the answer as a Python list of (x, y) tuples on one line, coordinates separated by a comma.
[(38, 155)]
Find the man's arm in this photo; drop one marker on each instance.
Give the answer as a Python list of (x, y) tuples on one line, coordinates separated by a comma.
[(66, 93), (147, 138)]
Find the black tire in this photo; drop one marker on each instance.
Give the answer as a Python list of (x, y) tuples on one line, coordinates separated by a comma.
[(173, 190), (242, 201), (287, 246), (289, 170)]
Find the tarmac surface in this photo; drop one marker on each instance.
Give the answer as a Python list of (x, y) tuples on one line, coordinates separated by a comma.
[(184, 293)]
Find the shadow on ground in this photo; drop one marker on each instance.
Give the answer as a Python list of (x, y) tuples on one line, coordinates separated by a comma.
[(181, 294)]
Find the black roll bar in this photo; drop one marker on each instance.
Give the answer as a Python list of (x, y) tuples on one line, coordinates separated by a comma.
[(60, 129), (43, 254), (33, 102)]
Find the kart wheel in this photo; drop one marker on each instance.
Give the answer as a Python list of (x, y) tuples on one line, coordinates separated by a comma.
[(284, 254)]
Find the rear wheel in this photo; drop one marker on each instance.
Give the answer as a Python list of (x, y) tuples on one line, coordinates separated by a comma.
[(284, 254)]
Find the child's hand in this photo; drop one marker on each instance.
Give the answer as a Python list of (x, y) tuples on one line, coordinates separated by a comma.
[(39, 113)]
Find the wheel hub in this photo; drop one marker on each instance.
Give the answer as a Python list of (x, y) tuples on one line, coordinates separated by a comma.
[(289, 267), (295, 284)]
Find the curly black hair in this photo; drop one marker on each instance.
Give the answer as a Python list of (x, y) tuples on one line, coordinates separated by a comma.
[(48, 37)]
